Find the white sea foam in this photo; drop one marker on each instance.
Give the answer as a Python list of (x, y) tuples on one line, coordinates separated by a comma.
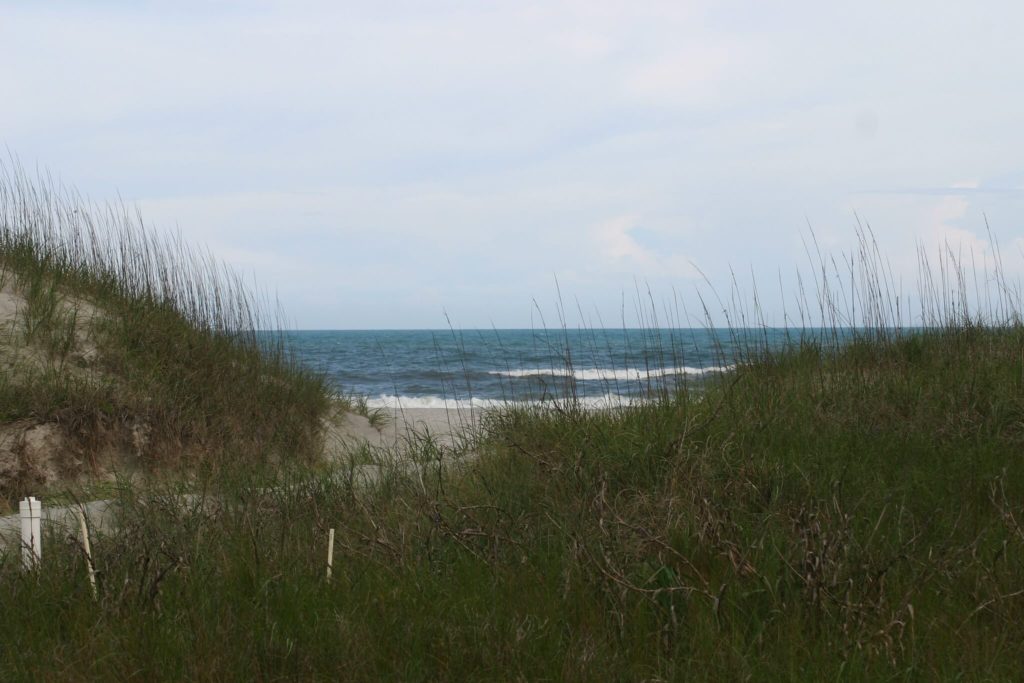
[(415, 402), (612, 374)]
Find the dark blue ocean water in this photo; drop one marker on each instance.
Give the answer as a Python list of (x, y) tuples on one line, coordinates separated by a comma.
[(433, 367)]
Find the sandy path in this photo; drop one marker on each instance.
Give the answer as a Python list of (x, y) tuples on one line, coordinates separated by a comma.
[(345, 433)]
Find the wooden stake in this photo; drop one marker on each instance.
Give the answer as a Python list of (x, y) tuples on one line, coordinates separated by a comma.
[(88, 553), (330, 553)]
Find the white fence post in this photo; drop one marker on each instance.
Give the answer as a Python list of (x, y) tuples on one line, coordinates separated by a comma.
[(31, 532)]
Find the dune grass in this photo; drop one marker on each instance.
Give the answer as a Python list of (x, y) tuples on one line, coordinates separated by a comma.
[(847, 506), (134, 342), (857, 517)]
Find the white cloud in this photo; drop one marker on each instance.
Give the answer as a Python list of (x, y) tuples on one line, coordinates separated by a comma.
[(942, 226), (623, 253)]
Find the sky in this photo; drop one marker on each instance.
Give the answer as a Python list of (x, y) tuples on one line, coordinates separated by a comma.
[(399, 164)]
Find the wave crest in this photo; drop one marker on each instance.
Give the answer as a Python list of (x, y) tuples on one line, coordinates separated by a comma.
[(613, 374), (414, 402)]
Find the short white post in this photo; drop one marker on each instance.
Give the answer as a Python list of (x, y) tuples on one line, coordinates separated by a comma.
[(330, 553), (31, 532)]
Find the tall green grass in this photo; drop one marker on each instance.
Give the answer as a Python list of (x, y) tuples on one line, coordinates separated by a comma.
[(142, 334), (846, 507)]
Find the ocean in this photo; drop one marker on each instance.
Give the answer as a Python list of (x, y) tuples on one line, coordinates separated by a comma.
[(437, 368)]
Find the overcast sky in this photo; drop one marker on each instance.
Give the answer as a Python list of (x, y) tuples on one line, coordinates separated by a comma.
[(380, 164)]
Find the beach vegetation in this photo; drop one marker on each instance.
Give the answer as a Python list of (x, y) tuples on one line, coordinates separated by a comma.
[(137, 350), (846, 506)]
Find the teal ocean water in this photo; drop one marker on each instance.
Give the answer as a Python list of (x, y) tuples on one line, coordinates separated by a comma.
[(427, 368)]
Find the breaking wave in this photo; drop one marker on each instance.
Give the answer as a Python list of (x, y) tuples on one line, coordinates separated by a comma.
[(443, 403), (613, 374)]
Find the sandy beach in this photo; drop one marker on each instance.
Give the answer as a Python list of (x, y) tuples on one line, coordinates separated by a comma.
[(448, 426)]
